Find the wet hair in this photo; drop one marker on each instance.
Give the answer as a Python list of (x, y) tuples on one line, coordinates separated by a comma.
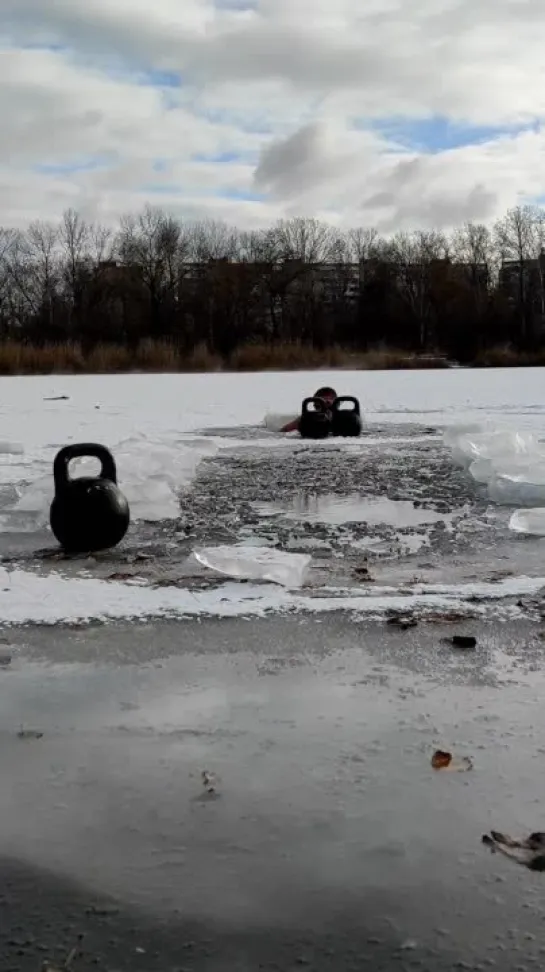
[(325, 392)]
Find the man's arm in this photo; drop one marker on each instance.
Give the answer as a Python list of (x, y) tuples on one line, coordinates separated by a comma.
[(291, 426)]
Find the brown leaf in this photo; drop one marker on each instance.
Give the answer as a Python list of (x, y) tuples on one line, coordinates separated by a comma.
[(441, 759)]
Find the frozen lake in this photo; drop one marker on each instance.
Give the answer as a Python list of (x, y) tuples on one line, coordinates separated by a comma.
[(328, 840), (202, 467)]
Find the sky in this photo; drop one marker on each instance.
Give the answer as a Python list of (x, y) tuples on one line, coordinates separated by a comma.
[(396, 114)]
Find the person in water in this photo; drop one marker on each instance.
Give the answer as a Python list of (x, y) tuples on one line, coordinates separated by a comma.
[(328, 395)]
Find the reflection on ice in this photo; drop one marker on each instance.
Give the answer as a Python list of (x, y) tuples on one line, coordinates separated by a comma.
[(333, 509)]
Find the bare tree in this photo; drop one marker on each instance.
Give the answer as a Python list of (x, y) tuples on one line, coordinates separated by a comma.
[(74, 240), (101, 244), (35, 272), (153, 249), (473, 247), (258, 246), (414, 256), (304, 240), (214, 240), (475, 256), (300, 280), (520, 239), (364, 244), (7, 241)]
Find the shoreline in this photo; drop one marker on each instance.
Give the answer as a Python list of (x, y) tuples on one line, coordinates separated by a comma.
[(164, 357)]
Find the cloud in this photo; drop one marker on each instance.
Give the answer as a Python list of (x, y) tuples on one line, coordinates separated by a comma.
[(302, 162), (399, 115)]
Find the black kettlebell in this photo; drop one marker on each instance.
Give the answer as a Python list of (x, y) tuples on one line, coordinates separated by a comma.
[(346, 421), (89, 512), (315, 421)]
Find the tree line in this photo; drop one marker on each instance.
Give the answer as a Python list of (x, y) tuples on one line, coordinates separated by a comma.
[(210, 284)]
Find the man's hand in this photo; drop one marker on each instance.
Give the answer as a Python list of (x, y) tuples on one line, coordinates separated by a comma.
[(292, 426)]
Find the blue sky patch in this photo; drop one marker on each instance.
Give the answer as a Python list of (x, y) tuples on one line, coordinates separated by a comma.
[(223, 116), (236, 4), (159, 79), (72, 166), (55, 48), (220, 158), (438, 134), (161, 188), (239, 195)]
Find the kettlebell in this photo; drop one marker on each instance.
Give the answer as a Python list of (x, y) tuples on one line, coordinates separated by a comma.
[(346, 421), (88, 513), (315, 421)]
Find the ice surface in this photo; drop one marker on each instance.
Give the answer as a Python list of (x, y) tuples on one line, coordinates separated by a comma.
[(413, 542), (11, 449), (27, 597), (153, 425), (151, 422), (256, 563), (454, 432), (150, 474), (275, 422), (531, 522), (510, 463), (492, 446)]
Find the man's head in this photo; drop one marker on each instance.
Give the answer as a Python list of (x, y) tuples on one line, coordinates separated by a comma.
[(327, 394)]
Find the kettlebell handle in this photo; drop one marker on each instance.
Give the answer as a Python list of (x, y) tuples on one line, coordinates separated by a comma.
[(346, 398), (321, 406), (63, 459)]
